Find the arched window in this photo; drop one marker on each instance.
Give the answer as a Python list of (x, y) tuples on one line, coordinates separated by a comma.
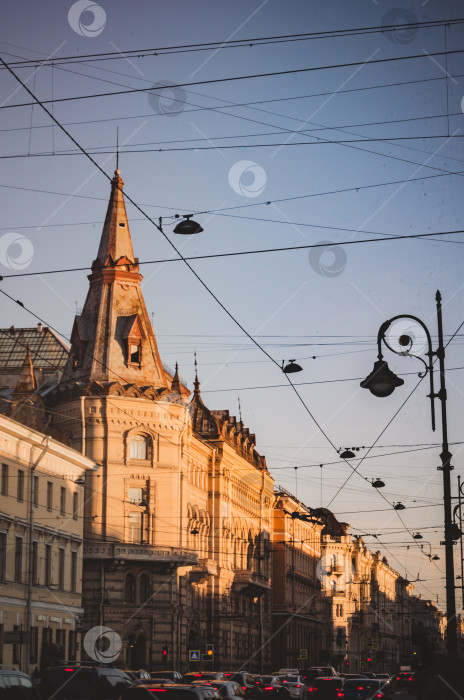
[(129, 588), (138, 447), (144, 588)]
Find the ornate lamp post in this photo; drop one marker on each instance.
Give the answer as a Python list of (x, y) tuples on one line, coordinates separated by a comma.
[(382, 382)]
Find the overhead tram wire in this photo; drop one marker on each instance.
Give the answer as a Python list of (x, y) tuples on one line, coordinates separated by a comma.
[(233, 208), (242, 117), (215, 81), (307, 409), (319, 140), (240, 43), (242, 104), (237, 253)]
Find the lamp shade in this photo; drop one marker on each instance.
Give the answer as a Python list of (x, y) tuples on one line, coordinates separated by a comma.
[(378, 483), (292, 367), (347, 454), (187, 226), (381, 381)]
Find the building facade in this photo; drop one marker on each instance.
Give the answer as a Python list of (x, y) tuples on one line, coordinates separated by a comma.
[(298, 607), (41, 546), (178, 517)]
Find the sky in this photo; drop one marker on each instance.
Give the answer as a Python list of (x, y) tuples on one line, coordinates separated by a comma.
[(346, 140)]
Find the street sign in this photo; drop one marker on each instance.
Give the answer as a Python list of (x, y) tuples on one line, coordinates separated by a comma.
[(303, 653), (194, 655)]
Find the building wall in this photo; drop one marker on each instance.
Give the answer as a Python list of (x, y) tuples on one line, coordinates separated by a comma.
[(199, 543), (57, 543), (298, 609)]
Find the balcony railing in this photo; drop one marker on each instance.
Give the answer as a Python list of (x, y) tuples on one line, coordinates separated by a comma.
[(133, 552), (251, 581), (336, 569)]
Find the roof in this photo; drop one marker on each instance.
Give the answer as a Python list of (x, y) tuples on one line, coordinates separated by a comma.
[(48, 351)]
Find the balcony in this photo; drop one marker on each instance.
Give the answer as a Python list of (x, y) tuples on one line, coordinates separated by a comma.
[(251, 582), (336, 569), (205, 569), (168, 556)]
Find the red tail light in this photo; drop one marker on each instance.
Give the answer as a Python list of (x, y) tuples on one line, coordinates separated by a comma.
[(157, 690), (268, 687), (298, 685), (244, 687), (340, 695), (379, 695)]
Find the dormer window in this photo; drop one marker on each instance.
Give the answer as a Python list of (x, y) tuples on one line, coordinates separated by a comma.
[(135, 352)]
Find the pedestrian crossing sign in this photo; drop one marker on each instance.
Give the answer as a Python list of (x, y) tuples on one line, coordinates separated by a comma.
[(194, 655)]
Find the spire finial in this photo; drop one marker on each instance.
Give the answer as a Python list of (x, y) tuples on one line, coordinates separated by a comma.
[(117, 149), (196, 383), (239, 409)]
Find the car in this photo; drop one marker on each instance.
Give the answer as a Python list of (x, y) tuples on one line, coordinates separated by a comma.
[(309, 674), (83, 681), (15, 684), (193, 676), (142, 691), (150, 681), (353, 675), (404, 680), (136, 675), (228, 690), (246, 680), (296, 686), (360, 688), (287, 672), (273, 687), (325, 688), (327, 671), (175, 676)]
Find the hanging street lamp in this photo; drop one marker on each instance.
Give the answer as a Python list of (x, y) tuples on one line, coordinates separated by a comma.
[(382, 382)]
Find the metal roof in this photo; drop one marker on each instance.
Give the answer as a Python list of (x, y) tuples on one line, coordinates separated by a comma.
[(48, 351)]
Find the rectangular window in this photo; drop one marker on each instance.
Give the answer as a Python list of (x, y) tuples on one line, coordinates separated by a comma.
[(34, 644), (3, 542), (48, 564), (135, 495), (135, 353), (16, 647), (20, 490), (71, 645), (135, 527), (75, 505), (35, 563), (74, 572), (63, 501), (36, 489), (4, 479), (138, 447), (18, 569), (61, 558), (49, 495), (1, 644)]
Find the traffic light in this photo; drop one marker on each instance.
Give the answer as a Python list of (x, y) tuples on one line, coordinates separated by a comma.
[(165, 653), (210, 652), (369, 659)]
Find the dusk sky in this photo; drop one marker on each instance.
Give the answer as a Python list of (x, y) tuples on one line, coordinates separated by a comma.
[(358, 147)]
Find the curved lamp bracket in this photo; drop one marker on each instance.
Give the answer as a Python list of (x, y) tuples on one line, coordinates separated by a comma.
[(407, 342)]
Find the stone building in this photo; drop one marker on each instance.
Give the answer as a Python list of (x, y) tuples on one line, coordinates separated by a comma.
[(41, 546), (298, 609), (178, 517)]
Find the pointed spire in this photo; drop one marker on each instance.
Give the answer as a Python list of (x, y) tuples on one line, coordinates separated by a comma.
[(239, 409), (26, 380), (115, 242), (175, 385), (196, 383)]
